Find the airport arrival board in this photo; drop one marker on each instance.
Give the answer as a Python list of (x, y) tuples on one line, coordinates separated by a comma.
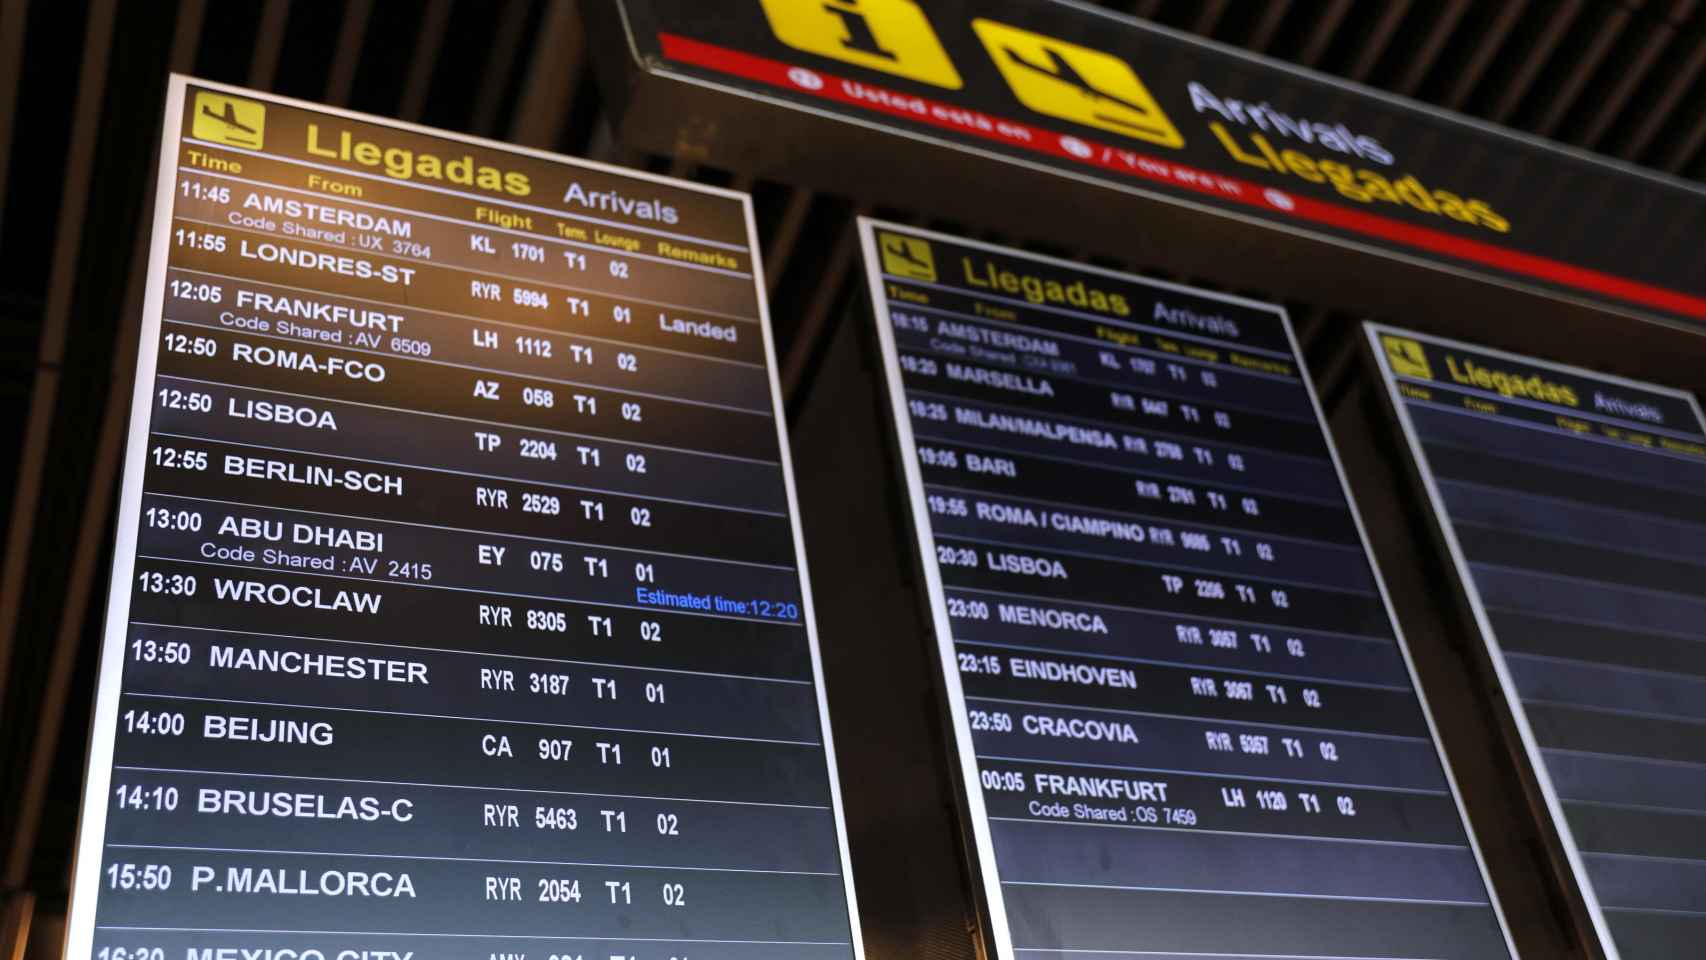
[(1573, 505), (1184, 720), (458, 608)]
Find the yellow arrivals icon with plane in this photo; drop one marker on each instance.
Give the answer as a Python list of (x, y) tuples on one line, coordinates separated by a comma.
[(1064, 80), (893, 36), (232, 121), (907, 257), (1407, 357)]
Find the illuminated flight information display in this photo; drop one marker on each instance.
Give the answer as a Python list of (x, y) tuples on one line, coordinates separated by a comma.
[(458, 608), (1185, 723), (1574, 507)]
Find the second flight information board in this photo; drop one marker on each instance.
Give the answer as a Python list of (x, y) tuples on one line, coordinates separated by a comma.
[(458, 605), (1185, 723), (1574, 507)]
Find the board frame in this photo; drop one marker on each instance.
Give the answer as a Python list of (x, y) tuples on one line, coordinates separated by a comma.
[(97, 774), (995, 937), (1518, 731)]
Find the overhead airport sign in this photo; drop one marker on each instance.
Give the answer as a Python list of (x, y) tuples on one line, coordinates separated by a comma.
[(1088, 93)]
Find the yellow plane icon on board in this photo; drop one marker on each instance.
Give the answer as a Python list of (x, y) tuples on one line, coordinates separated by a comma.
[(232, 121), (1064, 80), (907, 257), (1407, 357)]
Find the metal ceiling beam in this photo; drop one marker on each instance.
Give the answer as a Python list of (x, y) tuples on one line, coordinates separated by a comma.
[(1268, 26), (1428, 54), (786, 236), (1679, 156), (340, 78), (435, 19), (12, 21), (1210, 16), (1375, 44), (269, 44), (1663, 110), (1630, 75), (1582, 69), (1533, 59), (80, 594), (815, 323), (552, 79), (56, 322), (1490, 40), (1326, 28), (505, 51)]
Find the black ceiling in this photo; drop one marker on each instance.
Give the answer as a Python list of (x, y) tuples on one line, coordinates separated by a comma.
[(81, 86)]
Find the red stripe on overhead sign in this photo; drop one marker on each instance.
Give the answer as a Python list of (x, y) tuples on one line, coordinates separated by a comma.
[(1138, 166)]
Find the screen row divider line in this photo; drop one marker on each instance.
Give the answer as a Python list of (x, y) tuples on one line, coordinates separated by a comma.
[(1606, 585), (352, 252), (1167, 771), (1199, 955), (1644, 857), (1081, 315), (1550, 431), (474, 590), (1618, 547), (1444, 481), (1184, 567), (1260, 625), (310, 291), (1257, 834), (1608, 667), (474, 653), (1614, 711), (1624, 758), (183, 771), (1634, 807), (1699, 528), (475, 936), (490, 533), (1135, 516), (1393, 687), (1662, 911), (922, 438), (334, 199), (393, 181), (1419, 901), (447, 470), (1153, 714), (559, 381), (461, 419), (507, 860), (1591, 622), (1113, 426), (1161, 391), (185, 698), (1496, 397), (961, 315)]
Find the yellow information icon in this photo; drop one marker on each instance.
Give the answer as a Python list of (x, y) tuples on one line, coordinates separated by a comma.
[(1075, 83), (893, 36), (1407, 357), (907, 257), (232, 121)]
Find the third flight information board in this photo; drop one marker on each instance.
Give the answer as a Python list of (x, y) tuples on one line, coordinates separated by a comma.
[(1185, 722), (457, 608), (1574, 507)]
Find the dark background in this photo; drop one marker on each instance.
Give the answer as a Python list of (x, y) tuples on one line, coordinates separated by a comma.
[(81, 90)]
